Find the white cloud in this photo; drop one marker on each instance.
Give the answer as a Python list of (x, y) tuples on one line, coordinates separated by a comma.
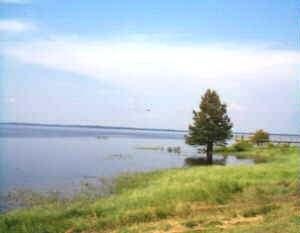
[(254, 80), (14, 1), (11, 25), (155, 64)]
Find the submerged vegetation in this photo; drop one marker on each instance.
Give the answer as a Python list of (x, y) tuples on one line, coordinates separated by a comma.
[(196, 199)]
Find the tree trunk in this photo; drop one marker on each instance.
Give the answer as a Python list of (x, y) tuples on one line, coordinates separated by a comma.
[(209, 153)]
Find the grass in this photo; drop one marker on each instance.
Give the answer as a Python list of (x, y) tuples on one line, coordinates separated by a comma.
[(260, 198), (260, 154)]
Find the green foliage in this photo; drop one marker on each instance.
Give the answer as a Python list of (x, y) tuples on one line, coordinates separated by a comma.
[(260, 154), (260, 136), (242, 145), (211, 123), (238, 146)]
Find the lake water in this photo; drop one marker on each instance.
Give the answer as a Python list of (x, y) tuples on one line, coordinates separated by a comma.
[(44, 158)]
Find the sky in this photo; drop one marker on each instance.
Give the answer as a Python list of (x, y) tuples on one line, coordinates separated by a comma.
[(147, 63)]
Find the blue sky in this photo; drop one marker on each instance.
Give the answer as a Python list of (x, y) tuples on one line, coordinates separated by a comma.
[(108, 62)]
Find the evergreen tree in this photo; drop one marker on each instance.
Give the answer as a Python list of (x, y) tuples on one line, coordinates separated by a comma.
[(211, 124)]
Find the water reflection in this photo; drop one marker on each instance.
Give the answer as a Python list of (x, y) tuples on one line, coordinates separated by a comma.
[(228, 160)]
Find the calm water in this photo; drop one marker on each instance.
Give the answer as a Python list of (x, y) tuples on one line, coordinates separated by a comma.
[(46, 158)]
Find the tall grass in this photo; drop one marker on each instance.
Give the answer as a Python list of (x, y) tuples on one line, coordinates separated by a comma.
[(171, 194)]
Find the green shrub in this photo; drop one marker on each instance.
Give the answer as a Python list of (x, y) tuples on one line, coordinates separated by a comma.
[(271, 145), (242, 145)]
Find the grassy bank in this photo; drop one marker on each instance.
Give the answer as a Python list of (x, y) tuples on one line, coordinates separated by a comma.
[(260, 198)]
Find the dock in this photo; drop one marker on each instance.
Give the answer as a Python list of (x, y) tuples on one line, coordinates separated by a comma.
[(275, 138)]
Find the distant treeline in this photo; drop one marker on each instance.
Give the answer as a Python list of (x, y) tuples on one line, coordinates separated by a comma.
[(90, 126), (128, 128)]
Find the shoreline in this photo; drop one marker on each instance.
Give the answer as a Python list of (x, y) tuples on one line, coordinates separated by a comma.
[(189, 197)]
